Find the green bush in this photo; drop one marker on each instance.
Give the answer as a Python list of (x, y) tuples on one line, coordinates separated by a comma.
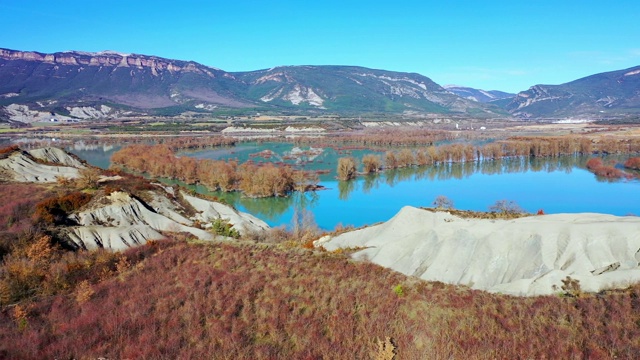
[(222, 227)]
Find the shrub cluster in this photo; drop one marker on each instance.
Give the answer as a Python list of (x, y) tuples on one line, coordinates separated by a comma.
[(37, 266), (346, 168), (252, 179), (632, 163), (55, 210), (387, 137), (597, 166)]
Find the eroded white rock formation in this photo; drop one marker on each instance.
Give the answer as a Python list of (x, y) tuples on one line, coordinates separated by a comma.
[(525, 256)]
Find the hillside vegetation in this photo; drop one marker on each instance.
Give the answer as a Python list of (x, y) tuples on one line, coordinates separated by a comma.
[(251, 301)]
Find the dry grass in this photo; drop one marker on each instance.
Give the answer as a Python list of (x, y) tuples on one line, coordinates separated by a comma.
[(256, 301)]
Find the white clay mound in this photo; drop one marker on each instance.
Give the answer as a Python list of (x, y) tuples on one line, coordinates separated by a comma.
[(525, 256)]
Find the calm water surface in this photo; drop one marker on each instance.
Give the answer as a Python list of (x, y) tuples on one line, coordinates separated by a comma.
[(555, 185)]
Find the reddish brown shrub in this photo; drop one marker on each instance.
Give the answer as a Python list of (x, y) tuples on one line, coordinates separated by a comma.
[(633, 163), (9, 149), (54, 211), (594, 163)]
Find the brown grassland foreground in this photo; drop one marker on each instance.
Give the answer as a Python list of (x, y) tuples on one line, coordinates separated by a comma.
[(269, 296), (238, 300)]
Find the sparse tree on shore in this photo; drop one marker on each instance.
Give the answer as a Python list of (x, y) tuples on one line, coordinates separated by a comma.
[(443, 202)]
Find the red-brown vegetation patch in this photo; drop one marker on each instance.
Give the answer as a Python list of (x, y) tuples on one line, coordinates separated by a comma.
[(18, 203), (54, 211), (633, 163), (245, 301), (265, 154), (597, 166), (8, 150), (250, 178)]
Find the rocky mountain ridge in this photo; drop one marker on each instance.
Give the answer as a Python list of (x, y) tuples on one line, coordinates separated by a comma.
[(80, 85), (609, 94)]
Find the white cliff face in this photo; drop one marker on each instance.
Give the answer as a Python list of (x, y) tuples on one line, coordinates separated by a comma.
[(110, 59), (88, 112), (525, 256), (27, 114), (123, 211), (299, 94), (119, 221)]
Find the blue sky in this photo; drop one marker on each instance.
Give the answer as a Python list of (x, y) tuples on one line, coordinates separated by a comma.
[(503, 45)]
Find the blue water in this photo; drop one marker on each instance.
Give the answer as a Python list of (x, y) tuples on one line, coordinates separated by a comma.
[(554, 192), (559, 185)]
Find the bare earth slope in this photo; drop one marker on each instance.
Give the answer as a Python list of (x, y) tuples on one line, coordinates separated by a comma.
[(118, 220), (525, 256), (21, 167)]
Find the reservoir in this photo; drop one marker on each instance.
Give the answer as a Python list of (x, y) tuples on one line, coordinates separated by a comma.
[(555, 185)]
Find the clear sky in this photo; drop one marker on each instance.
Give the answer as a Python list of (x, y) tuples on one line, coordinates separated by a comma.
[(503, 45)]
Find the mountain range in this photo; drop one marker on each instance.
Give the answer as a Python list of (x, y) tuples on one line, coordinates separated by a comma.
[(108, 84), (609, 94)]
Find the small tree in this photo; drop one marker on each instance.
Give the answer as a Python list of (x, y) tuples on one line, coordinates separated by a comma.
[(390, 160), (88, 178), (346, 168), (371, 163), (443, 202), (506, 207)]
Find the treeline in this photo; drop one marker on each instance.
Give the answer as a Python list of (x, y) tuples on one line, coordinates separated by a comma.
[(175, 143), (381, 138), (536, 147), (255, 180)]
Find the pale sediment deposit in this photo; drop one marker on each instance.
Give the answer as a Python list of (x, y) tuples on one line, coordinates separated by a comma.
[(22, 167), (119, 221), (524, 256)]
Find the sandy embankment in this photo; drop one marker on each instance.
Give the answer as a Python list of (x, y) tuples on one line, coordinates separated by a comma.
[(525, 256)]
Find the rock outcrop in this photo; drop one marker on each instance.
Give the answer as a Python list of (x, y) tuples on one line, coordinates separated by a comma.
[(525, 256), (209, 210), (123, 211), (119, 220), (22, 167), (56, 156)]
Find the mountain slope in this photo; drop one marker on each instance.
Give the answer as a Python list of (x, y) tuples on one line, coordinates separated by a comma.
[(352, 89), (615, 93), (109, 84), (479, 95), (136, 81)]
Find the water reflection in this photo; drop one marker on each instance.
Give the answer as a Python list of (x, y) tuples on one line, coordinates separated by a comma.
[(345, 188), (458, 171)]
